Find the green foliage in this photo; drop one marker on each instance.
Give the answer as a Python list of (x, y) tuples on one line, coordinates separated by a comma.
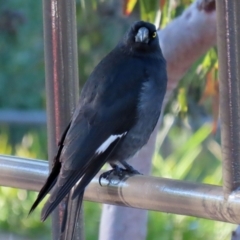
[(177, 227), (193, 156), (185, 153), (148, 10), (21, 51), (15, 206), (15, 203), (99, 36)]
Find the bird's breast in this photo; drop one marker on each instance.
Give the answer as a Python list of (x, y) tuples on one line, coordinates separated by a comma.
[(148, 111)]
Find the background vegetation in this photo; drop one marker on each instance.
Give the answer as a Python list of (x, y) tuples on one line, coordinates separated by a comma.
[(188, 145)]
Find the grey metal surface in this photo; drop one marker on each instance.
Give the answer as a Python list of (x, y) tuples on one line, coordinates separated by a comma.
[(159, 194), (28, 117), (228, 37), (22, 172), (61, 68)]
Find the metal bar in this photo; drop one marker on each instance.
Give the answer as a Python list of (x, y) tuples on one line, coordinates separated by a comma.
[(158, 194), (61, 67), (29, 117), (22, 172), (228, 38)]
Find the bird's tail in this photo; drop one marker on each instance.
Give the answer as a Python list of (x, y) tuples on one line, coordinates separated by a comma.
[(47, 186), (70, 226)]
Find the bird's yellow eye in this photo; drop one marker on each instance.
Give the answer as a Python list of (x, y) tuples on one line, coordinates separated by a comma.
[(154, 34)]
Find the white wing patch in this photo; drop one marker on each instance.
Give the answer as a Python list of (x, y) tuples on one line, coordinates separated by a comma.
[(107, 143)]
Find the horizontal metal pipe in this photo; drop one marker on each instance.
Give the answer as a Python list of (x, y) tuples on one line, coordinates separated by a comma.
[(159, 194), (22, 172), (29, 117)]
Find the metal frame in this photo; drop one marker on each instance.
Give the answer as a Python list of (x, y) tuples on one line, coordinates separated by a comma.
[(159, 194), (61, 70), (200, 200), (228, 20)]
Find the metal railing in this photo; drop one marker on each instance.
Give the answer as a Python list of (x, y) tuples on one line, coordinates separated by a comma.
[(201, 200), (61, 71), (159, 194)]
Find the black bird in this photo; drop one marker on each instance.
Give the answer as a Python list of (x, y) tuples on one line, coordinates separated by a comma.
[(118, 109)]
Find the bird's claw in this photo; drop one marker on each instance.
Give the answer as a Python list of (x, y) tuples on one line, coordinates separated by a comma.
[(117, 172), (109, 175)]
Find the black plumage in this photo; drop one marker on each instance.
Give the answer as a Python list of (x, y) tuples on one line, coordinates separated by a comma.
[(118, 109)]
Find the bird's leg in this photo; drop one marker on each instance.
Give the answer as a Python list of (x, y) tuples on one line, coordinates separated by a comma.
[(118, 171), (129, 169)]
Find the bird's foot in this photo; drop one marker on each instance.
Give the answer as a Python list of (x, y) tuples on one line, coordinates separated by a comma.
[(113, 173), (117, 172)]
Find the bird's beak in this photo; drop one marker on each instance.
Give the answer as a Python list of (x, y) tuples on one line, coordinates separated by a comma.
[(142, 35)]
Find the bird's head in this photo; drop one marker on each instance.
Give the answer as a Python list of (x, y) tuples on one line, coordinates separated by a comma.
[(141, 38)]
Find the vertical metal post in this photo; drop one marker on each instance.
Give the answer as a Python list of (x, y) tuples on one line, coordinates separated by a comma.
[(61, 70), (228, 36)]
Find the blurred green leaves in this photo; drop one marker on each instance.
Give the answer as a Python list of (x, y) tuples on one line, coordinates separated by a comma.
[(128, 6), (192, 155), (185, 153), (21, 51), (15, 203), (149, 10)]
